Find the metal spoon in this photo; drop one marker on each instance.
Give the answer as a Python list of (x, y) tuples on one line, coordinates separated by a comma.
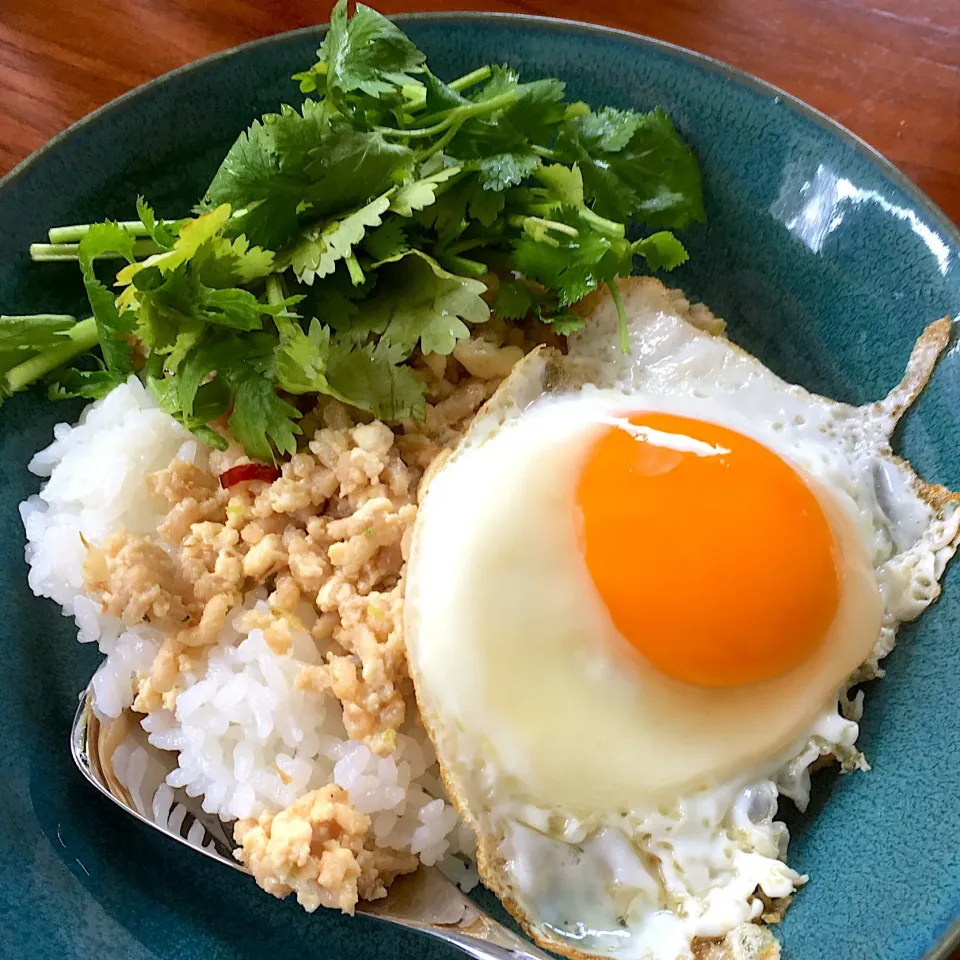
[(425, 901)]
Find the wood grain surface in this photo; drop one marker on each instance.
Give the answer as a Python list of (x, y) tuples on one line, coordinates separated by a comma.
[(887, 69)]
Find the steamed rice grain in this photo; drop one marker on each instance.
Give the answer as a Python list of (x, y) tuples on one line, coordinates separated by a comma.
[(248, 740)]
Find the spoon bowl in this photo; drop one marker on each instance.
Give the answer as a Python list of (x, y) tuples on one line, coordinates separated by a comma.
[(425, 901)]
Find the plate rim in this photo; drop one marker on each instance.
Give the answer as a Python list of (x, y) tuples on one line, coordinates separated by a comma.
[(950, 940)]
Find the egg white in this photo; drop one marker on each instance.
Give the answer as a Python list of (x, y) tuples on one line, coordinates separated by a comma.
[(648, 880)]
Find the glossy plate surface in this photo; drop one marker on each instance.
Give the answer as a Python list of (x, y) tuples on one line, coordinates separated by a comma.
[(826, 263)]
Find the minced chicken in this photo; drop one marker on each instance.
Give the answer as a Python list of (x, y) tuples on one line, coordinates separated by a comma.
[(333, 528)]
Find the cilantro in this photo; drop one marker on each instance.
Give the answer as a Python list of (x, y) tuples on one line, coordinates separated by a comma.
[(419, 194), (111, 322), (261, 420), (318, 250), (292, 164), (570, 256), (373, 208), (634, 165), (388, 241), (366, 53), (19, 334), (662, 251), (366, 377), (438, 97), (161, 233), (566, 323), (564, 184), (228, 263), (514, 300), (375, 381), (33, 346), (70, 383), (418, 301)]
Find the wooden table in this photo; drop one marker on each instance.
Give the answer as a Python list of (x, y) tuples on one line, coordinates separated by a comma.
[(887, 69)]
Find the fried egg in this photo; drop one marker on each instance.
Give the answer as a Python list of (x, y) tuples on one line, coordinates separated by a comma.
[(638, 594)]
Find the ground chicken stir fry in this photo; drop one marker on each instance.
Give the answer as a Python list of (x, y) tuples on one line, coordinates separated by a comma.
[(315, 848), (334, 529)]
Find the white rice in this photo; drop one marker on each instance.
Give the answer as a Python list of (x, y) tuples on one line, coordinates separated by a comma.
[(247, 740)]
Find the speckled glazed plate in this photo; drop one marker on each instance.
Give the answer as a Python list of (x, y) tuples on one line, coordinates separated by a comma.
[(827, 264)]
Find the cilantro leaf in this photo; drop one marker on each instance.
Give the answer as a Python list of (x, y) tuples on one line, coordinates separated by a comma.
[(71, 382), (363, 376), (225, 367), (499, 145), (634, 165), (351, 167), (507, 169), (18, 334), (269, 158), (573, 259), (387, 241), (485, 205), (261, 420), (564, 184), (417, 300), (467, 199), (566, 323), (334, 299), (302, 358), (440, 97), (103, 238), (418, 194), (366, 53), (292, 165), (608, 130), (161, 233), (230, 263), (514, 300), (662, 251), (313, 80), (373, 379), (205, 356), (193, 235), (316, 253)]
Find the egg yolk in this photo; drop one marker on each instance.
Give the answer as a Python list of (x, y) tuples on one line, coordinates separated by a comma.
[(712, 554)]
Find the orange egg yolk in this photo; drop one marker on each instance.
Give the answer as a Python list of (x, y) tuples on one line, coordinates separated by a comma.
[(712, 554)]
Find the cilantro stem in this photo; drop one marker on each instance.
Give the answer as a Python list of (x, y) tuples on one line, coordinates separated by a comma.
[(609, 227), (464, 245), (78, 231), (544, 152), (456, 116), (43, 252), (457, 86), (353, 268), (38, 317), (462, 265), (621, 315), (79, 339), (440, 144), (530, 225), (275, 293), (470, 79)]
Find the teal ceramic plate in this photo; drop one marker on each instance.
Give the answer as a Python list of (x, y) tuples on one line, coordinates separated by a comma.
[(828, 264)]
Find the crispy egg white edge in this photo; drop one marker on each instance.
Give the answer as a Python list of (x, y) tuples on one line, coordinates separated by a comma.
[(547, 371)]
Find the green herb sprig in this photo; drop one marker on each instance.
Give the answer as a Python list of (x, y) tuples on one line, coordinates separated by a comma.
[(340, 236)]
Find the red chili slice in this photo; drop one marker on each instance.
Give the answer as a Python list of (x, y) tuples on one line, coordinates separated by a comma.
[(245, 472)]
